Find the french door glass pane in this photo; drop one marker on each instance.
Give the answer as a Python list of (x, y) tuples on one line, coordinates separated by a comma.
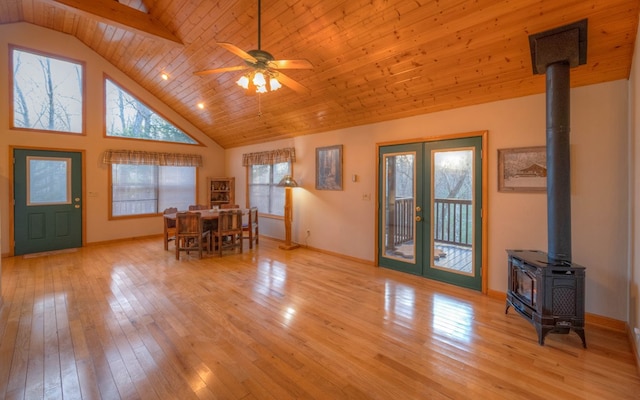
[(399, 205), (452, 210)]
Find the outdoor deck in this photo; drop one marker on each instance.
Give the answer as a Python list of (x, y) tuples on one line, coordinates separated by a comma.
[(451, 227), (456, 258)]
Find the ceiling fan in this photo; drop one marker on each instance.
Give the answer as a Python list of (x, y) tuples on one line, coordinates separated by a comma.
[(264, 75)]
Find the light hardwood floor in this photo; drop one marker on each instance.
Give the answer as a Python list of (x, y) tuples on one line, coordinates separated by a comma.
[(127, 320)]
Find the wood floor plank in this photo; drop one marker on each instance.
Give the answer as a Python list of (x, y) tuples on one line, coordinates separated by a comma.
[(127, 321)]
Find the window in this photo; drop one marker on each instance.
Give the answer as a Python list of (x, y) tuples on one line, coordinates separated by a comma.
[(47, 92), (264, 191), (48, 181), (149, 189), (128, 117), (264, 171), (144, 183)]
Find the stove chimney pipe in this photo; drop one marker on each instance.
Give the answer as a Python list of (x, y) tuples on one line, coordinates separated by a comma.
[(553, 53)]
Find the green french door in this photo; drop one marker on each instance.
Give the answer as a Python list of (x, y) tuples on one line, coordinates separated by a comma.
[(47, 193), (430, 210)]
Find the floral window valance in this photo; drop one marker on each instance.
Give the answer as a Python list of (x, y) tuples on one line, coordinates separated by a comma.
[(151, 158), (269, 157)]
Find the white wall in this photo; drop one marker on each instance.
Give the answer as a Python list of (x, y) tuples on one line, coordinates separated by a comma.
[(99, 228), (634, 149), (342, 222)]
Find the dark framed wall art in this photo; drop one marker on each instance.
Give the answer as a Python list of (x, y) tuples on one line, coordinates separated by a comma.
[(329, 168), (522, 169)]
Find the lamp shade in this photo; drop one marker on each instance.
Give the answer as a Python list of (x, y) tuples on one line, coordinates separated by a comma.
[(288, 181)]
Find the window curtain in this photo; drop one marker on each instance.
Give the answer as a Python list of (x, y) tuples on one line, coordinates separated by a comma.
[(269, 157), (150, 158)]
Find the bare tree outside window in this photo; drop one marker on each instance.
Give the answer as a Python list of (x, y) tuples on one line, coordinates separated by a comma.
[(453, 174), (128, 117), (47, 93)]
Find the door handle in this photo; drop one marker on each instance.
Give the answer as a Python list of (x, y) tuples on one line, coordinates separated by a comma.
[(418, 218), (77, 205)]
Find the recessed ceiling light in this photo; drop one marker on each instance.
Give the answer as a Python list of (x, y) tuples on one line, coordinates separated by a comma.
[(201, 106), (164, 76)]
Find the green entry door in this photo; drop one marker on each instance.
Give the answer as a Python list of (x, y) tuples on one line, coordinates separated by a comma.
[(48, 206), (430, 208)]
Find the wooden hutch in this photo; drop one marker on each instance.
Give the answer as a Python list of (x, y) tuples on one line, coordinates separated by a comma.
[(221, 191)]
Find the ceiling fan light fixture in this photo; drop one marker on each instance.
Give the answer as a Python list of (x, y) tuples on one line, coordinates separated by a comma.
[(262, 81), (243, 82), (274, 84), (264, 77), (258, 79)]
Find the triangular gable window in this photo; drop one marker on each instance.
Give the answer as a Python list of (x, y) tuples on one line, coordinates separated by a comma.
[(128, 117)]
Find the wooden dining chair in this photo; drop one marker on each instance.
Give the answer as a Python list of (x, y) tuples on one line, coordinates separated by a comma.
[(228, 206), (190, 235), (250, 228), (228, 236), (169, 227)]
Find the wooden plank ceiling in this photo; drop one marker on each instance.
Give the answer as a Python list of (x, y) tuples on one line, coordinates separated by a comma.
[(374, 60)]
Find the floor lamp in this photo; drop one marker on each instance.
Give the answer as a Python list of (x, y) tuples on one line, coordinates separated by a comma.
[(288, 183)]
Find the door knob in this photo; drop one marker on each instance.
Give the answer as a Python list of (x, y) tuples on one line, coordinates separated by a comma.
[(418, 218), (418, 208)]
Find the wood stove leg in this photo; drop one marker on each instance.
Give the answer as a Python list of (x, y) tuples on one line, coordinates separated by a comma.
[(580, 332), (542, 333)]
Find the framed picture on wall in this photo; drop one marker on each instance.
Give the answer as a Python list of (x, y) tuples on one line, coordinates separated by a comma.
[(522, 169), (329, 168)]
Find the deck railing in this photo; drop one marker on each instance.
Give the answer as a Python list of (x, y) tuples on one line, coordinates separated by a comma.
[(452, 221)]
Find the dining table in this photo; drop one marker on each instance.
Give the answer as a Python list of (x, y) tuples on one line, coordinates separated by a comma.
[(204, 214), (208, 216)]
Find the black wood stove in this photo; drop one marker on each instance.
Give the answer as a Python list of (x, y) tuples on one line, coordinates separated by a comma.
[(548, 289), (548, 293)]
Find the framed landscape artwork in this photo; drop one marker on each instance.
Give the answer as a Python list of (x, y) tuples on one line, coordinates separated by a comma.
[(522, 169), (329, 168)]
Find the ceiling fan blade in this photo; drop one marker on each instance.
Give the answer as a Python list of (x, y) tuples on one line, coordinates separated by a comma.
[(290, 64), (218, 70), (291, 83), (238, 51)]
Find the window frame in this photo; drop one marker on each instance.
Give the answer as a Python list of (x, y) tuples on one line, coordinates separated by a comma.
[(106, 78), (271, 185), (83, 91), (112, 217)]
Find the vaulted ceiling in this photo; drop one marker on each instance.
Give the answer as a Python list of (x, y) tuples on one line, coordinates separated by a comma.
[(373, 60)]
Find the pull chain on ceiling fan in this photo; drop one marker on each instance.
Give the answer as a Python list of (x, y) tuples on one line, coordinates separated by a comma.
[(264, 74)]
